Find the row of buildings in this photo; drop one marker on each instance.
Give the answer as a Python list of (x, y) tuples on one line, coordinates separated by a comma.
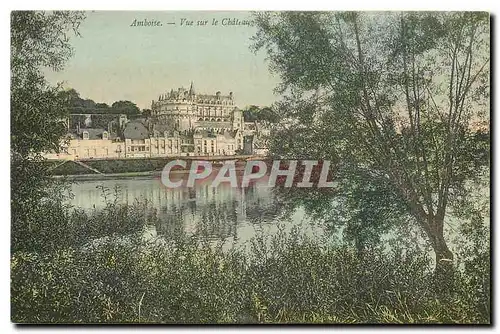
[(182, 123)]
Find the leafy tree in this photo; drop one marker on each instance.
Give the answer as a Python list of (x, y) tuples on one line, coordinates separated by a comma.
[(38, 112), (390, 96), (103, 106), (267, 114), (250, 113), (76, 103), (254, 113), (72, 96)]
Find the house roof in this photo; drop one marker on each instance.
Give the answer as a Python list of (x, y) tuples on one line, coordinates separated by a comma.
[(94, 133), (135, 130)]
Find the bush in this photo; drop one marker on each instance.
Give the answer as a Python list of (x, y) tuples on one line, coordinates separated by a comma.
[(287, 278)]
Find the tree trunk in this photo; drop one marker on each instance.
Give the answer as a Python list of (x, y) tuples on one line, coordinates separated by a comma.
[(444, 261), (443, 273)]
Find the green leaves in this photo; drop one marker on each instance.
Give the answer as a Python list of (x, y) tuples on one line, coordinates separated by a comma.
[(389, 93), (286, 278), (264, 114), (38, 112)]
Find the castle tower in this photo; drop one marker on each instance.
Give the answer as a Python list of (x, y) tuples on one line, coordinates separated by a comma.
[(191, 90)]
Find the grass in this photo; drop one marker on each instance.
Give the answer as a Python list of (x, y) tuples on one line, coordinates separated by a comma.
[(67, 277)]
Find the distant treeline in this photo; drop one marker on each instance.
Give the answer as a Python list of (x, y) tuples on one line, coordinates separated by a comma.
[(78, 105)]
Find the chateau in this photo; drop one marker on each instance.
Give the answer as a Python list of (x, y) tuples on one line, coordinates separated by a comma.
[(182, 123), (185, 110)]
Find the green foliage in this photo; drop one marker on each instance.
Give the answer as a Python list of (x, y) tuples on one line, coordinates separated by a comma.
[(287, 278), (78, 105), (75, 266), (58, 226), (38, 113), (255, 113), (125, 107), (390, 95)]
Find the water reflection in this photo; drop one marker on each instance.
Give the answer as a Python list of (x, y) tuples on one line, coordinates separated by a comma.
[(219, 212)]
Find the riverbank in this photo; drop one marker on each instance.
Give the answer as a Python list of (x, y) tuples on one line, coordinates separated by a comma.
[(128, 175), (119, 168), (111, 176), (287, 278)]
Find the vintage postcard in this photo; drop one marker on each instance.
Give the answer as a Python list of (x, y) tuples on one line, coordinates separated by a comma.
[(276, 167)]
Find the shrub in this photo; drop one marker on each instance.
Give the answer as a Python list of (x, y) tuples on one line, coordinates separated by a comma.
[(286, 278)]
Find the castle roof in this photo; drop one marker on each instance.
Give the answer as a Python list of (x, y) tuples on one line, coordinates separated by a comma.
[(183, 93)]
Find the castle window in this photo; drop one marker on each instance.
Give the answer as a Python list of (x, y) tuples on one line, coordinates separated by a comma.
[(85, 135), (105, 135)]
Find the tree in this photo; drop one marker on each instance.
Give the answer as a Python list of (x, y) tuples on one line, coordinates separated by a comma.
[(79, 105), (38, 111), (268, 115), (103, 106), (390, 96), (250, 113), (125, 107), (254, 113)]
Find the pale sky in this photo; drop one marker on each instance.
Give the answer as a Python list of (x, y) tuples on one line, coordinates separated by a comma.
[(114, 61)]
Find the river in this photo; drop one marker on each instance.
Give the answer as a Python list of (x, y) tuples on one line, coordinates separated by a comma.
[(222, 212), (233, 215)]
